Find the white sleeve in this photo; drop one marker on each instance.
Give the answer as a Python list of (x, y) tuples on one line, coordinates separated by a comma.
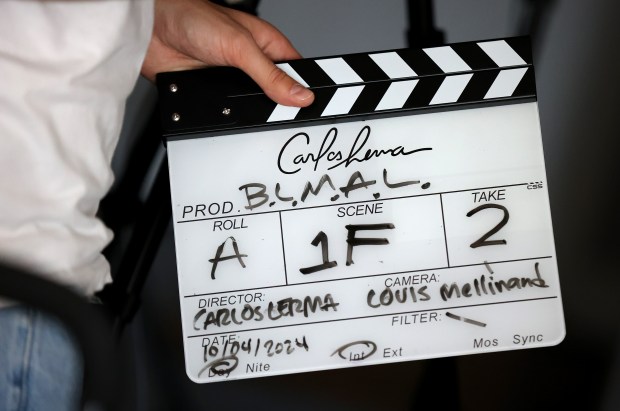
[(66, 69)]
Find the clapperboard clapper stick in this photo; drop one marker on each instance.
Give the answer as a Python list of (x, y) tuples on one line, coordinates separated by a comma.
[(404, 215)]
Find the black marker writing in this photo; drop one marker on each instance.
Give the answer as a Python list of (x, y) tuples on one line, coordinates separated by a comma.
[(483, 241), (464, 319), (256, 194), (402, 295), (356, 351), (353, 241), (309, 189), (321, 237), (485, 286), (223, 366), (222, 360), (356, 181), (396, 185), (286, 307), (218, 255)]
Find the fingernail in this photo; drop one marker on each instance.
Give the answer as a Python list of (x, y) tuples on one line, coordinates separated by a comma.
[(300, 93)]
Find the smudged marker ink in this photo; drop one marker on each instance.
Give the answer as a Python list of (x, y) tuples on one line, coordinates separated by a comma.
[(464, 319)]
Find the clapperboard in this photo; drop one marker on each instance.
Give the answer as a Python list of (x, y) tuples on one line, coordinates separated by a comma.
[(403, 215)]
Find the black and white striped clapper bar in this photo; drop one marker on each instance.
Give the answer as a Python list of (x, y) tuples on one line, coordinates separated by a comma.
[(403, 215)]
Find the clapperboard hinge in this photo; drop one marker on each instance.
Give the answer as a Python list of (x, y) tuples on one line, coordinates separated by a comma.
[(404, 80)]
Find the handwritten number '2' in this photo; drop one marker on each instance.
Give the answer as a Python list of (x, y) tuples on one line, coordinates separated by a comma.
[(321, 237), (482, 241)]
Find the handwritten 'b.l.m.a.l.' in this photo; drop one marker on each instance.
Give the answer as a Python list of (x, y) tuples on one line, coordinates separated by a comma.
[(257, 196)]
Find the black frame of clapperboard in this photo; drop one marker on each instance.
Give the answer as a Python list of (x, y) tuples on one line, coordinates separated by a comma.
[(225, 101)]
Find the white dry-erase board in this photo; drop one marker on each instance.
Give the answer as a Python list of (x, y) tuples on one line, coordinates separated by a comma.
[(404, 215)]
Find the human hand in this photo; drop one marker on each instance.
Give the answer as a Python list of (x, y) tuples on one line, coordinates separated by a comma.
[(197, 33)]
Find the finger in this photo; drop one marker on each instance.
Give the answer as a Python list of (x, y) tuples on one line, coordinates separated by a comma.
[(276, 84)]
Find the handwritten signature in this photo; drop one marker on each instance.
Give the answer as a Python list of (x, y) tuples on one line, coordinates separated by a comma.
[(337, 157)]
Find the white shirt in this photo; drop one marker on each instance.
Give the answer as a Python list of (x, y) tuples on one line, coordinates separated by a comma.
[(66, 69)]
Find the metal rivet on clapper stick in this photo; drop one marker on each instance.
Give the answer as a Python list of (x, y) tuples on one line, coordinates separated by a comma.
[(176, 116), (226, 111), (173, 88)]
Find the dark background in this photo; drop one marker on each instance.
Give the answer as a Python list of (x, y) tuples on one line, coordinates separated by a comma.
[(577, 67)]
